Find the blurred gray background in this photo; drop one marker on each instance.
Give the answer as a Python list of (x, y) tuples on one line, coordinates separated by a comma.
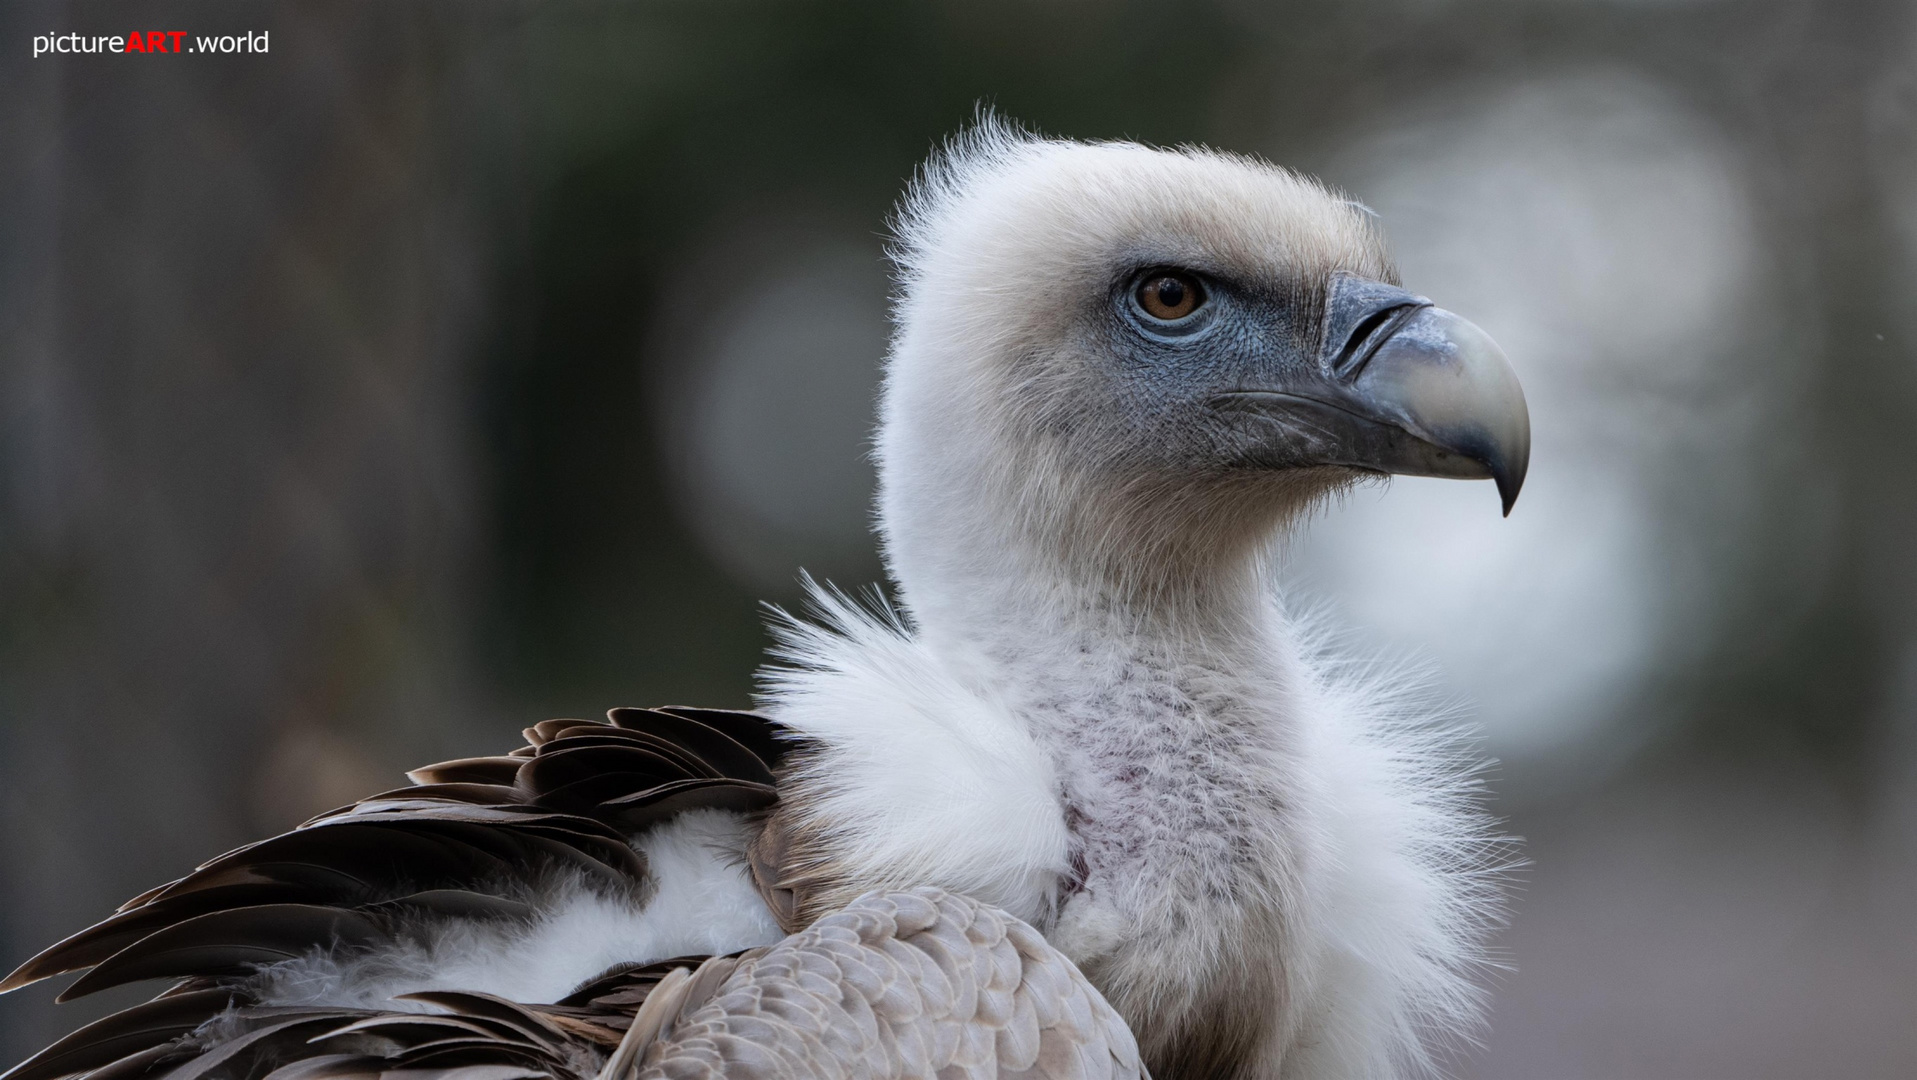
[(453, 366)]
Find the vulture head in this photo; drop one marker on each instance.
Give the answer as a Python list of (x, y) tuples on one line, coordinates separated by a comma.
[(1132, 366)]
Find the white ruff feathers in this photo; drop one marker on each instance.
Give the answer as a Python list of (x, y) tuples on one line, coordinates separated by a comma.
[(927, 778), (934, 782)]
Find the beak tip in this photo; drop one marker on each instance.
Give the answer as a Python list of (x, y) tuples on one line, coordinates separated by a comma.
[(1509, 482)]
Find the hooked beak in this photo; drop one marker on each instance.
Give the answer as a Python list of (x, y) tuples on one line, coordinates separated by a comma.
[(1399, 386)]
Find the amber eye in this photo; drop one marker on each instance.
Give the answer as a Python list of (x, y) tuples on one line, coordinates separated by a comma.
[(1170, 297)]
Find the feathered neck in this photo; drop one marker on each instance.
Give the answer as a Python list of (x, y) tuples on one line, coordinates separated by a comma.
[(997, 550)]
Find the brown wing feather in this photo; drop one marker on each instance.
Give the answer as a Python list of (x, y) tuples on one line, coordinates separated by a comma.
[(794, 865), (230, 943), (124, 1034), (450, 845)]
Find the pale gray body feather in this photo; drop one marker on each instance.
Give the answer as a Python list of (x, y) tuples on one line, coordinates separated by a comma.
[(909, 984)]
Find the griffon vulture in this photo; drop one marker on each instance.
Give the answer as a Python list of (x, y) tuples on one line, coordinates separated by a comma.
[(1119, 375)]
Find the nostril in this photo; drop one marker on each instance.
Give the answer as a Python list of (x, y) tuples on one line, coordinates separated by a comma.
[(1372, 331)]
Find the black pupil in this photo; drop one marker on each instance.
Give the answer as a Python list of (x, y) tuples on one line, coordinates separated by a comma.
[(1171, 292)]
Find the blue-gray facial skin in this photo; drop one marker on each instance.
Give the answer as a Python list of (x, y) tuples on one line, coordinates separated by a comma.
[(1351, 372)]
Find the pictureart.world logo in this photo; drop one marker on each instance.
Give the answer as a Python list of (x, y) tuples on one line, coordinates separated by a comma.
[(151, 41)]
